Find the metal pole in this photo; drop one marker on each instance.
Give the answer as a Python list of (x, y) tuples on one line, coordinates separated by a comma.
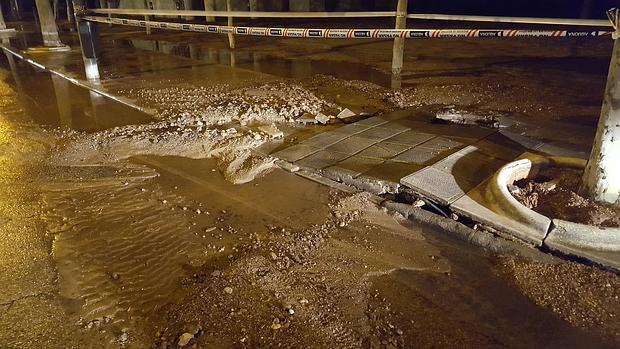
[(148, 5), (231, 37), (253, 6), (210, 6), (399, 43), (70, 17), (601, 179)]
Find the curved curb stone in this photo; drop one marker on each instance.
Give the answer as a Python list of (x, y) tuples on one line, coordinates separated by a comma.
[(492, 204), (600, 245)]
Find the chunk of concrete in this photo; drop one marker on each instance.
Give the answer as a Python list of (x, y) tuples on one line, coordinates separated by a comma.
[(271, 131), (322, 118), (346, 114)]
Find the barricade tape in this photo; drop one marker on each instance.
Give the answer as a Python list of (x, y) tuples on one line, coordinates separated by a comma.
[(348, 33)]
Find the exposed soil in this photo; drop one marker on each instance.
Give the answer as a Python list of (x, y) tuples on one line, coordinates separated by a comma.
[(554, 193), (585, 298)]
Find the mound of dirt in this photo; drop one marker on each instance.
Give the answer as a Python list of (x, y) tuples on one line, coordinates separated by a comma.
[(554, 193)]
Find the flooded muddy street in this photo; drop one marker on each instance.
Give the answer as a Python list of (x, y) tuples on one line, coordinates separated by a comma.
[(177, 229)]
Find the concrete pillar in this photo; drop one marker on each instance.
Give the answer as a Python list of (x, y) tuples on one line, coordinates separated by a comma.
[(601, 179), (399, 44), (231, 37), (49, 31), (210, 6)]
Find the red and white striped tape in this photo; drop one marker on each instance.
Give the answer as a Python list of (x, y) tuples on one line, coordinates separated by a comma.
[(349, 33)]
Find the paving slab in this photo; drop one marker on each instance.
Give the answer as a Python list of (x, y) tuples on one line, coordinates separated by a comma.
[(516, 139), (380, 133), (325, 139), (499, 150), (351, 167), (392, 171), (394, 126), (372, 121), (443, 143), (322, 159), (437, 185), (295, 152), (421, 155), (470, 163), (384, 150), (352, 145), (352, 128), (411, 138)]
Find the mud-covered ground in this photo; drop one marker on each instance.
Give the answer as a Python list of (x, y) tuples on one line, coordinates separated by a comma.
[(554, 192), (134, 235)]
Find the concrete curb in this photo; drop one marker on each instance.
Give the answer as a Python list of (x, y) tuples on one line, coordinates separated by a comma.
[(596, 244), (479, 238)]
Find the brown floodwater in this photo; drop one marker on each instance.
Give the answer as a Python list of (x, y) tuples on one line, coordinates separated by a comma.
[(136, 253)]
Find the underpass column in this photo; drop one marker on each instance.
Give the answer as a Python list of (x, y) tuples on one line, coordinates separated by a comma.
[(49, 31), (399, 44), (601, 179)]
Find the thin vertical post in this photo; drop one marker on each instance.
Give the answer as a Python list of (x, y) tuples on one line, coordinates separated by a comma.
[(601, 179), (147, 18), (49, 31), (210, 6), (399, 43), (70, 17), (253, 5), (231, 37)]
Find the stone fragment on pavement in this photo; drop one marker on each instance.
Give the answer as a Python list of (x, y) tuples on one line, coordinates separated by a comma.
[(272, 131), (322, 118), (345, 114)]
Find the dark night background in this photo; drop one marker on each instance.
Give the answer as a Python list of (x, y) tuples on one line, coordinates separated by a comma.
[(529, 8)]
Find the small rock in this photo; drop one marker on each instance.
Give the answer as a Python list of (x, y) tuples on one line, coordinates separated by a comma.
[(184, 339), (208, 230), (115, 276), (322, 118), (273, 256), (216, 273), (271, 131), (228, 290), (345, 114)]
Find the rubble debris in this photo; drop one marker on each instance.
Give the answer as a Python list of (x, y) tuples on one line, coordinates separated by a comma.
[(464, 117), (322, 118)]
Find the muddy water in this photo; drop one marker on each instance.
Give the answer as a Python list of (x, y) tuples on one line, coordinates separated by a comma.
[(55, 102), (263, 63), (139, 252)]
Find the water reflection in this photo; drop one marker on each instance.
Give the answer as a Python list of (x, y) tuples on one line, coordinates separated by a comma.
[(290, 68), (51, 99)]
